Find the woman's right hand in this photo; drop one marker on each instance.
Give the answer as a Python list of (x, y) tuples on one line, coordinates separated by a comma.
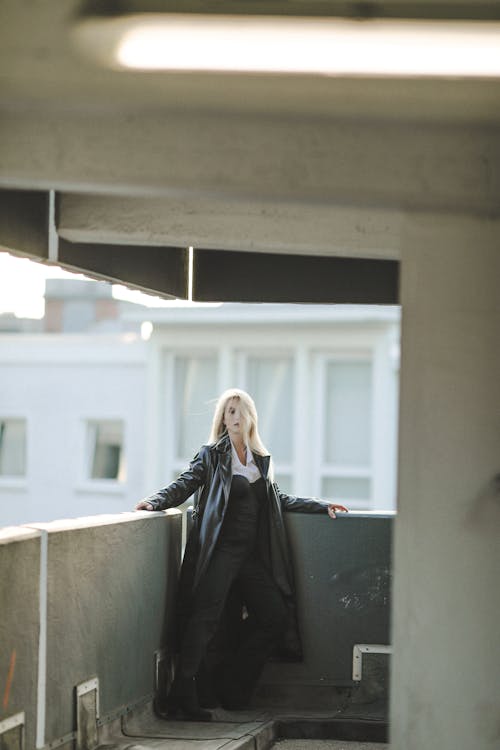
[(143, 505)]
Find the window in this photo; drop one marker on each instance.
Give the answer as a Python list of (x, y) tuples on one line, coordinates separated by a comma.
[(270, 381), (195, 388), (346, 468), (13, 447), (105, 450), (346, 488)]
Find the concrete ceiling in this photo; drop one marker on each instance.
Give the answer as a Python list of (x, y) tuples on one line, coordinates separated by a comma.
[(275, 164)]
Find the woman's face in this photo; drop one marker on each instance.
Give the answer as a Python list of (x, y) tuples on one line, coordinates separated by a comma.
[(233, 419)]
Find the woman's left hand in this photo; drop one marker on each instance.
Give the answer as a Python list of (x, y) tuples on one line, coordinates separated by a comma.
[(333, 507)]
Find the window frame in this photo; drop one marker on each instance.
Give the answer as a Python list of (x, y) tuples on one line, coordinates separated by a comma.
[(17, 480), (178, 464), (327, 470), (241, 357), (102, 484), (234, 343)]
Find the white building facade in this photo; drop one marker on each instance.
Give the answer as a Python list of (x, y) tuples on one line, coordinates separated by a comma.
[(91, 422), (72, 406)]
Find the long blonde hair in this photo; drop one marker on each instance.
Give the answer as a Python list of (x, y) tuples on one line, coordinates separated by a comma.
[(249, 414)]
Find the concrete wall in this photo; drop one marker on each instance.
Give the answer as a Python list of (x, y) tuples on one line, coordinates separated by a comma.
[(108, 584), (19, 624), (445, 686), (106, 587), (343, 576), (119, 580)]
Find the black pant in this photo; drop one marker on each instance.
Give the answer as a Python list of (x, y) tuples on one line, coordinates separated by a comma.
[(234, 564)]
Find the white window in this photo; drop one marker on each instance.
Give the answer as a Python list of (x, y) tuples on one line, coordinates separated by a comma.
[(345, 413), (270, 381), (13, 447), (105, 454), (195, 391)]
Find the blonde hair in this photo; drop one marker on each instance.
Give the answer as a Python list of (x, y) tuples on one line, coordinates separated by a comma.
[(249, 414)]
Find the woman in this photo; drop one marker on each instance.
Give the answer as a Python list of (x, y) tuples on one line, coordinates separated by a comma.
[(236, 559)]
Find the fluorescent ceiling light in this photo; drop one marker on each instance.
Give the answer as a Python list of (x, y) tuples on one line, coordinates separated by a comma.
[(318, 46)]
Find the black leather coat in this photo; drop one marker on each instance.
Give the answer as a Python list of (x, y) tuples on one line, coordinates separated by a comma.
[(209, 476)]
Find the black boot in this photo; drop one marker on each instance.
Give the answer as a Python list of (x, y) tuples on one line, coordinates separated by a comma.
[(205, 688), (182, 702), (233, 692)]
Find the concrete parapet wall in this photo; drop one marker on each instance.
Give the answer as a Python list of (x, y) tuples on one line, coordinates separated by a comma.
[(343, 574), (94, 597), (19, 624), (107, 585)]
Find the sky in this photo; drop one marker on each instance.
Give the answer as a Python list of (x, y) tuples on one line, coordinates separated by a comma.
[(22, 286)]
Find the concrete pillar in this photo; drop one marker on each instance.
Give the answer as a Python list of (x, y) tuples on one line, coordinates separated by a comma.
[(446, 623)]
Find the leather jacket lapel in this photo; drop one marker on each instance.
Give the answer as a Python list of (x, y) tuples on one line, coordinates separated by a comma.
[(262, 463), (225, 468)]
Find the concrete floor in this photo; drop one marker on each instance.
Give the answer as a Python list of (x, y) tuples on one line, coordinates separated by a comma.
[(141, 730), (327, 745), (230, 730)]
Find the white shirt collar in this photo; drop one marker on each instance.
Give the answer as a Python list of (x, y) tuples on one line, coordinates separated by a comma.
[(248, 470), (248, 455)]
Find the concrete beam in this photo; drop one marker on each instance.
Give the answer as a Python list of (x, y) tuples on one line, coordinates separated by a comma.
[(160, 270), (478, 10), (24, 230), (45, 72), (224, 276), (271, 226), (322, 161), (24, 222)]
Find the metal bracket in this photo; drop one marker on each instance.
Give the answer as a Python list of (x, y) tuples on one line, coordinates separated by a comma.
[(66, 739), (122, 711), (16, 742), (365, 648), (87, 714)]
